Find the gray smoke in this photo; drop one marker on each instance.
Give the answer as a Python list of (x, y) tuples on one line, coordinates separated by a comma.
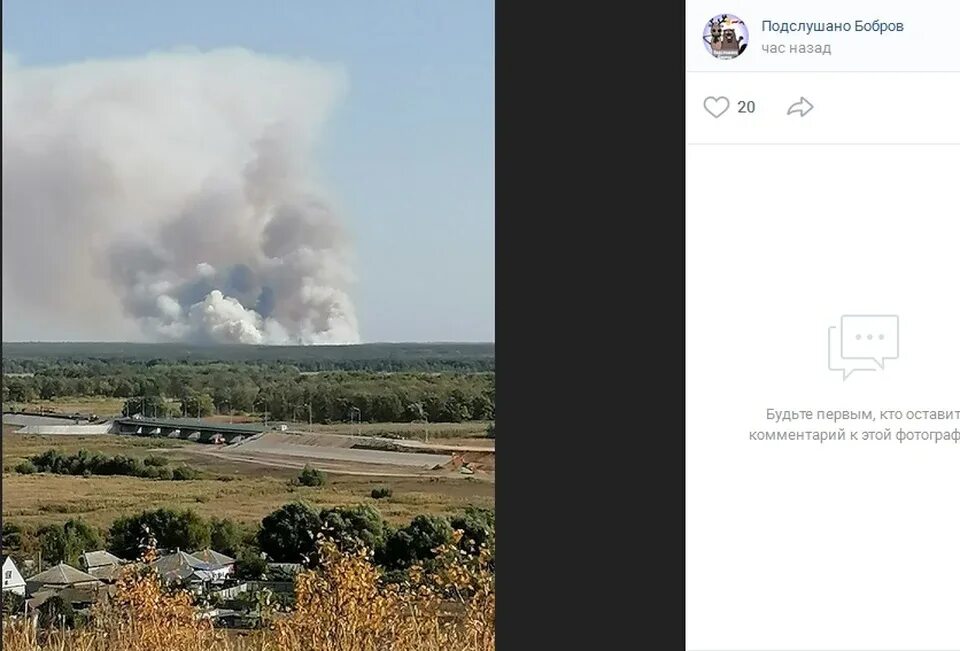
[(174, 191)]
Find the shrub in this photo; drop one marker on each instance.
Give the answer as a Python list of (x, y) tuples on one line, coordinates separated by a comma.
[(12, 603), (183, 473), (83, 463), (55, 612), (312, 477), (380, 493), (26, 468)]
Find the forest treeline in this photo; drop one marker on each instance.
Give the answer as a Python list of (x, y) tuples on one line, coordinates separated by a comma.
[(283, 391), (457, 357)]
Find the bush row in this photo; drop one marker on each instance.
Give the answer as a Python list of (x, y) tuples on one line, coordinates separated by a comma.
[(86, 464)]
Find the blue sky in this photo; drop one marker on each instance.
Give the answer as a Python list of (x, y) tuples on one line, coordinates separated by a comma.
[(408, 154)]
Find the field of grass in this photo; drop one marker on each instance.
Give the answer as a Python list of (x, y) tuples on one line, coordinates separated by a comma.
[(100, 406), (17, 447), (252, 493)]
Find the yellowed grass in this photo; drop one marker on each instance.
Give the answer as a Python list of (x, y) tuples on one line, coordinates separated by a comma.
[(17, 447), (92, 405), (41, 498), (256, 490)]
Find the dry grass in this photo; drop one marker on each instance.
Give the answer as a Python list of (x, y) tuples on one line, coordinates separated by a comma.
[(17, 447), (340, 605), (93, 405), (42, 498), (256, 491)]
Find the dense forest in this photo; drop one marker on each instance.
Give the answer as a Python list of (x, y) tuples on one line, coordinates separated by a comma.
[(284, 392), (461, 357), (188, 385)]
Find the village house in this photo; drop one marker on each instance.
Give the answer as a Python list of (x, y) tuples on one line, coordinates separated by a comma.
[(60, 577), (102, 564), (187, 568), (12, 579), (215, 558)]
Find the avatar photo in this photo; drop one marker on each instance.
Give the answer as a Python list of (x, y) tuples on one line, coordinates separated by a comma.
[(725, 36)]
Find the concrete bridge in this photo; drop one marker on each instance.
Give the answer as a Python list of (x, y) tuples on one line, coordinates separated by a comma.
[(187, 428)]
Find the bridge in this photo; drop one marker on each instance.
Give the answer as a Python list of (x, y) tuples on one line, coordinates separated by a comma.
[(190, 429)]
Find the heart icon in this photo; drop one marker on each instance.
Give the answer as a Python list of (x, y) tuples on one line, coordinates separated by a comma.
[(716, 106)]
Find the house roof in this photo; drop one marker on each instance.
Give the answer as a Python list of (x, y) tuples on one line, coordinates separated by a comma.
[(100, 558), (62, 574), (180, 565), (107, 572), (214, 557)]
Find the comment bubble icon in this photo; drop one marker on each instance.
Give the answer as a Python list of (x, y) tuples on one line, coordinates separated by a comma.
[(871, 337), (838, 363)]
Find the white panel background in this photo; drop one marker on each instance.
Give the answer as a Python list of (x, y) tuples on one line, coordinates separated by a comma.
[(795, 545)]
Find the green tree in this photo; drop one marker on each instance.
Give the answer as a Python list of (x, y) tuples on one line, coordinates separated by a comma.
[(286, 535), (416, 542), (386, 408), (415, 412), (477, 524), (348, 525), (226, 536), (197, 405), (223, 398), (147, 406), (51, 387), (250, 565), (454, 410), (66, 543), (172, 529), (481, 408)]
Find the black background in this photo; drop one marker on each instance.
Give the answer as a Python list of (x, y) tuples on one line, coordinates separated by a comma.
[(590, 315)]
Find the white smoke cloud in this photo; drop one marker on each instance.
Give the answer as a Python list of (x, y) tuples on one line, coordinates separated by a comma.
[(174, 191)]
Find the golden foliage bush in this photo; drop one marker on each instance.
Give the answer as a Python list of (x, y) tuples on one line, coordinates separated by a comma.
[(340, 605)]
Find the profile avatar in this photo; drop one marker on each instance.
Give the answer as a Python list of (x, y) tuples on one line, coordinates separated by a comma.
[(725, 36)]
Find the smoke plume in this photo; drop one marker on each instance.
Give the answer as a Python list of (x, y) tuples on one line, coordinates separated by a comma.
[(174, 193)]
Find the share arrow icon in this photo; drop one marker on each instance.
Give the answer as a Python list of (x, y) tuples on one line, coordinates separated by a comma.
[(802, 107)]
